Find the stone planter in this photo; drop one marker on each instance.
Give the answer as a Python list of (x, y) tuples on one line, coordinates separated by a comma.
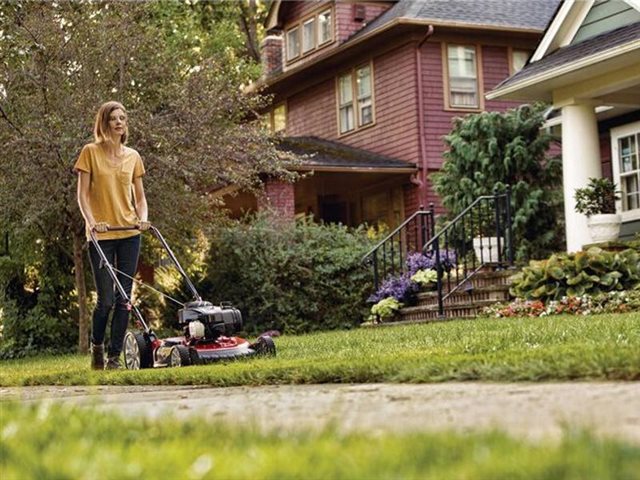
[(481, 248), (604, 227)]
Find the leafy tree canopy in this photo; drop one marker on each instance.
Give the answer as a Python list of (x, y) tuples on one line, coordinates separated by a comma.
[(170, 65)]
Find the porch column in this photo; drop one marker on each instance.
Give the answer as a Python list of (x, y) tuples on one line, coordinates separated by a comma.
[(580, 161), (278, 196)]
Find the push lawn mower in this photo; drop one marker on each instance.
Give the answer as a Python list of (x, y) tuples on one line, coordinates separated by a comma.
[(208, 329)]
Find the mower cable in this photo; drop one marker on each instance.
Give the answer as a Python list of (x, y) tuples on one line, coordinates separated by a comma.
[(148, 286)]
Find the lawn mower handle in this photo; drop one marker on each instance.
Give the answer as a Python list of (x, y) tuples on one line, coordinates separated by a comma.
[(165, 245)]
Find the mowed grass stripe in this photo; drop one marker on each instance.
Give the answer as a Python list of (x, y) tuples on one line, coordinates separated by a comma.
[(596, 347)]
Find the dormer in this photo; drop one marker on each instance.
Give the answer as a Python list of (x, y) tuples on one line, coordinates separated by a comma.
[(308, 29)]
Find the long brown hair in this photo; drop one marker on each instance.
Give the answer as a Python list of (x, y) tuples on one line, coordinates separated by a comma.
[(101, 128)]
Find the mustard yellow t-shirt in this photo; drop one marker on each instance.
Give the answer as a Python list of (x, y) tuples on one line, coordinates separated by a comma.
[(111, 193)]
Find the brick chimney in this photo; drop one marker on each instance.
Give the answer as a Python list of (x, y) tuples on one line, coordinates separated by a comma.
[(271, 55)]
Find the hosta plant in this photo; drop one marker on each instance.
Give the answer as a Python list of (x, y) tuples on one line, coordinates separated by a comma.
[(425, 278), (385, 309), (572, 275)]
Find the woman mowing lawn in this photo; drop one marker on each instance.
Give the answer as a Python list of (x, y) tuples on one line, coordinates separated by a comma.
[(110, 194)]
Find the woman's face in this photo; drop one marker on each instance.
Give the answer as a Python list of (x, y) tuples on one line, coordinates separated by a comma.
[(117, 122)]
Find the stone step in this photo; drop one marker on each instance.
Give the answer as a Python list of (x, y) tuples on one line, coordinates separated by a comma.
[(494, 293), (430, 313)]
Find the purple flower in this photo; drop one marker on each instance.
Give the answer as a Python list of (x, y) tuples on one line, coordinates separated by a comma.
[(401, 288), (423, 261)]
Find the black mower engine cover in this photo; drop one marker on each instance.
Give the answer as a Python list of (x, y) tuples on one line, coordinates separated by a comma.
[(217, 320)]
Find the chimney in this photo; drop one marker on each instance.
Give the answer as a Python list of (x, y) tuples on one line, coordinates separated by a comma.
[(271, 55)]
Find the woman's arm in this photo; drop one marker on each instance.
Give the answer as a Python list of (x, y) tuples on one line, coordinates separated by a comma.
[(84, 179), (141, 200)]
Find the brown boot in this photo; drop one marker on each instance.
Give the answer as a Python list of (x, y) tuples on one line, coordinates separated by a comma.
[(97, 357), (113, 363)]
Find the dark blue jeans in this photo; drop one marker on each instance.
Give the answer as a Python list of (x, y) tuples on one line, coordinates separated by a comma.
[(123, 255)]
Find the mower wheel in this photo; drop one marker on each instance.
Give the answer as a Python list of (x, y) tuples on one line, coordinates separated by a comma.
[(179, 356), (193, 354), (265, 346), (137, 351)]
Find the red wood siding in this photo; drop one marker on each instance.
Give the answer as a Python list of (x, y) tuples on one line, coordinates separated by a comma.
[(347, 26), (395, 133), (495, 68)]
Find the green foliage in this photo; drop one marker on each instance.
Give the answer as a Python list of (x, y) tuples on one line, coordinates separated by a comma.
[(558, 347), (491, 150), (385, 308), (58, 441), (588, 272), (36, 311), (426, 278), (598, 197), (294, 277)]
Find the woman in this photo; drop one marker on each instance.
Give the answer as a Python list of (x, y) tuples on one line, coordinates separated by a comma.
[(110, 193)]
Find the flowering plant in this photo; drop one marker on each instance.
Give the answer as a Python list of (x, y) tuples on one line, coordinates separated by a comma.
[(608, 302), (427, 261), (401, 288), (385, 308), (425, 278)]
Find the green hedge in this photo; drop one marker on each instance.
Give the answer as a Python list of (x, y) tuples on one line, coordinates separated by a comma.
[(293, 277)]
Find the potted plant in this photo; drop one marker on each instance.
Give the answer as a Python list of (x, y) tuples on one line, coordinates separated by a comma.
[(598, 202), (485, 241)]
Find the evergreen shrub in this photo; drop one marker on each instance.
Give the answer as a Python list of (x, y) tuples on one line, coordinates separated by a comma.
[(290, 276), (492, 150)]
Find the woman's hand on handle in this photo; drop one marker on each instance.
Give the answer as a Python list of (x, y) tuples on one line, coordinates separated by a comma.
[(144, 225), (100, 227)]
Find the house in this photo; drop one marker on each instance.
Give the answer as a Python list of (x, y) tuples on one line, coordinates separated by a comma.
[(587, 65), (368, 89)]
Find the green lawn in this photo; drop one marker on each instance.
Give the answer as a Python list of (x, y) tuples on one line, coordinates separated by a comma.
[(54, 441), (598, 347)]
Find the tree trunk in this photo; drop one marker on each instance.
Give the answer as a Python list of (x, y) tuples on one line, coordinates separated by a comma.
[(81, 288)]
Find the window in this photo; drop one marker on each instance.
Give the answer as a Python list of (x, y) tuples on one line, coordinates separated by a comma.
[(293, 43), (346, 103), (518, 60), (463, 77), (363, 83), (356, 85), (309, 34), (276, 119), (625, 145), (279, 118), (324, 27)]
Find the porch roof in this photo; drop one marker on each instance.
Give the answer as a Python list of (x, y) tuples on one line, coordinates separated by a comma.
[(326, 155), (528, 83)]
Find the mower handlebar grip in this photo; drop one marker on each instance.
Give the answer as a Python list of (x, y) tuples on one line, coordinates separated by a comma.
[(116, 229)]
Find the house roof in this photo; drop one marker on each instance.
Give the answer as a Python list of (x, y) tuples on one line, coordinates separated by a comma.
[(321, 154), (569, 55), (494, 14)]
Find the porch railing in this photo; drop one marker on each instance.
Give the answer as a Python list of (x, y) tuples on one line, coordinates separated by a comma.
[(480, 236), (388, 257)]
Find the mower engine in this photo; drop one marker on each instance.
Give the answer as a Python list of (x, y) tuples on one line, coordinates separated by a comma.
[(204, 321)]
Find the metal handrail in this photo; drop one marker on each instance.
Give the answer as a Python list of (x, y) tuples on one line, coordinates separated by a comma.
[(399, 228), (434, 243)]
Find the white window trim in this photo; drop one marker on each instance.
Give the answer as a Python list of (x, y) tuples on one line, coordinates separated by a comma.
[(314, 35), (615, 134)]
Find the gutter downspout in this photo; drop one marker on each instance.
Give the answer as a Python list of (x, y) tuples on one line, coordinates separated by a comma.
[(421, 177)]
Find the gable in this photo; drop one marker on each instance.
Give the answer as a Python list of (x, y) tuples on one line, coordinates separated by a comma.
[(578, 20), (604, 16)]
